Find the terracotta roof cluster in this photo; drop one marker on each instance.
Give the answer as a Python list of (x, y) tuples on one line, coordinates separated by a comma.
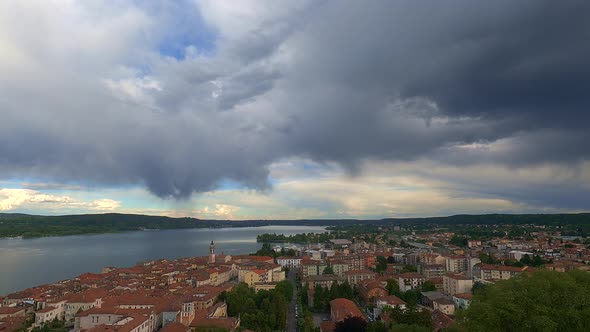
[(440, 320), (10, 310), (127, 324), (11, 324)]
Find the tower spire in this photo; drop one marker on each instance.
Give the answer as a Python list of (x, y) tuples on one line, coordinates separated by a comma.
[(212, 252)]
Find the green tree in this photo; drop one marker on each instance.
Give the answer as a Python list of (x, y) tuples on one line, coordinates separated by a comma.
[(477, 287), (428, 286), (487, 258), (459, 241), (537, 261), (393, 287), (321, 298), (261, 311), (408, 328), (381, 264), (544, 301), (303, 295), (377, 326), (286, 289), (343, 290), (411, 297), (411, 316), (328, 270), (526, 260), (278, 311), (409, 268), (266, 250)]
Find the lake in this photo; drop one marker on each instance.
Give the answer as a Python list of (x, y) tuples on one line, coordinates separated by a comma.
[(29, 262)]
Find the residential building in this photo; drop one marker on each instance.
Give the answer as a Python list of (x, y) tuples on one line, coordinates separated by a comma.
[(390, 301), (427, 298), (456, 283), (370, 290), (8, 312), (289, 262), (431, 270), (410, 280), (456, 263), (500, 272), (324, 280), (339, 267), (312, 268), (355, 276), (462, 300), (445, 305)]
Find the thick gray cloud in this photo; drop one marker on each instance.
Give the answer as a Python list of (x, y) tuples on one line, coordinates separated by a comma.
[(493, 70), (458, 82)]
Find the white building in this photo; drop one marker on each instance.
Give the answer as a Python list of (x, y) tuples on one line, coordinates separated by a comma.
[(290, 262)]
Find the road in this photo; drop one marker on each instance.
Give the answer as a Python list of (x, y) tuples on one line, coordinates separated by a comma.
[(291, 319)]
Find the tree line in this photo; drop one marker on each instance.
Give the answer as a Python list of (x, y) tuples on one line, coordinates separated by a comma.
[(264, 310)]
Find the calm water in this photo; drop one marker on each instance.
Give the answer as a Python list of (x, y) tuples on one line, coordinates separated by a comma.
[(29, 262)]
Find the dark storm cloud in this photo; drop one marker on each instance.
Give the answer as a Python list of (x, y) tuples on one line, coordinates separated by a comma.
[(514, 68), (346, 81)]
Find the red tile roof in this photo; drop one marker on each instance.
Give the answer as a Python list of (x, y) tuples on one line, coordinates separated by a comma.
[(504, 268), (392, 300), (411, 275), (457, 276), (342, 308), (175, 327), (359, 272), (465, 296), (10, 310), (328, 326)]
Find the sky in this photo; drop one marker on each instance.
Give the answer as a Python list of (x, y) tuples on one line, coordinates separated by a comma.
[(294, 109)]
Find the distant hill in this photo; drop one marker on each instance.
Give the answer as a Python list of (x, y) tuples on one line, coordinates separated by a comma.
[(487, 219), (13, 225), (13, 215), (17, 224)]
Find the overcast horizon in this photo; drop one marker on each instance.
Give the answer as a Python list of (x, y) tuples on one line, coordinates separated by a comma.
[(294, 109)]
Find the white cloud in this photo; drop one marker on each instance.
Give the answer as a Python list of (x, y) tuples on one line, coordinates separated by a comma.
[(11, 199), (104, 204)]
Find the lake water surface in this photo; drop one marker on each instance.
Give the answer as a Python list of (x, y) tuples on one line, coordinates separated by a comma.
[(30, 262)]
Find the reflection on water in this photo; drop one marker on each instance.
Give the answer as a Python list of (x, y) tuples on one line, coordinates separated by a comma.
[(29, 262)]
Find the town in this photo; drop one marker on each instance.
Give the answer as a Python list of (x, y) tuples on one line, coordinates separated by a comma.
[(360, 277)]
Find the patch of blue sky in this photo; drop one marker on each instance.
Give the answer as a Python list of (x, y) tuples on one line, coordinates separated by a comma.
[(229, 184), (177, 46), (273, 181), (40, 184), (185, 28), (312, 166), (11, 184)]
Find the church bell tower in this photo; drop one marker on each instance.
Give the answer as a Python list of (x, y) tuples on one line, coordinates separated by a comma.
[(212, 252)]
